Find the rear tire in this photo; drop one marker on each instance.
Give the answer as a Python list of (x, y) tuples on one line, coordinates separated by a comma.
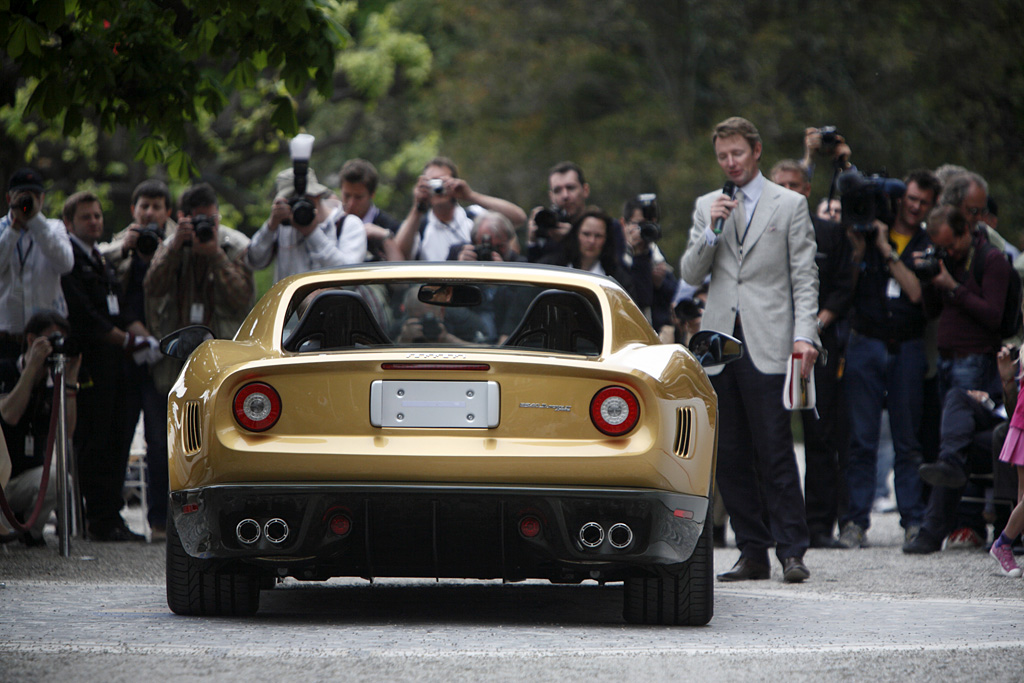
[(684, 597), (196, 588)]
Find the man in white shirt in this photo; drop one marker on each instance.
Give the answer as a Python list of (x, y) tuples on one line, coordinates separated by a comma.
[(323, 240), (34, 252), (437, 222)]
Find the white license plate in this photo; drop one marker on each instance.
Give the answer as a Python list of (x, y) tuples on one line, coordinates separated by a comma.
[(419, 404)]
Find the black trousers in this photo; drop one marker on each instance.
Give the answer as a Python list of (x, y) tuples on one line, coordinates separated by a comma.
[(758, 477), (825, 441)]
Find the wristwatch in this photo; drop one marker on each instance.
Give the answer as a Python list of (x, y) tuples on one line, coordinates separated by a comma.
[(893, 256)]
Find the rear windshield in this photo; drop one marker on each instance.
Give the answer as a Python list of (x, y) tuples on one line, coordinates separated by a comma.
[(444, 314)]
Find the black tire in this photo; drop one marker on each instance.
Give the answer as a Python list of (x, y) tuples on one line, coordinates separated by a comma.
[(196, 588), (684, 597)]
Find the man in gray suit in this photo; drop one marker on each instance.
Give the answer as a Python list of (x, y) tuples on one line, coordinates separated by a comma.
[(759, 248)]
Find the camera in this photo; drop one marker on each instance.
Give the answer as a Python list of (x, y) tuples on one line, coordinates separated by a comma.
[(303, 210), (928, 266), (431, 327), (829, 139), (25, 202), (62, 345), (203, 227), (484, 249), (149, 239), (548, 220), (436, 185), (866, 199), (650, 230)]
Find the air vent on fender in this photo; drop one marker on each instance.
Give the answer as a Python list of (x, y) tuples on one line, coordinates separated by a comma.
[(684, 432), (192, 433)]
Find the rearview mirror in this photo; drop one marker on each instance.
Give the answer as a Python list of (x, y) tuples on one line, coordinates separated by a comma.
[(449, 294), (181, 343), (715, 348)]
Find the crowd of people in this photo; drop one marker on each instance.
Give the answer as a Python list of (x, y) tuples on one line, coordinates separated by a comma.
[(897, 314)]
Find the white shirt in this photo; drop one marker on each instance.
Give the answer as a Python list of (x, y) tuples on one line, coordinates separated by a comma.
[(750, 195), (31, 264), (322, 248), (439, 237)]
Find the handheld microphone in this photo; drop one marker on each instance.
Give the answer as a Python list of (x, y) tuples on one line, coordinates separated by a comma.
[(729, 189)]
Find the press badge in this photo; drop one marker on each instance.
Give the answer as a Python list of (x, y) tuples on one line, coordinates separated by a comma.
[(893, 289), (196, 314), (113, 307)]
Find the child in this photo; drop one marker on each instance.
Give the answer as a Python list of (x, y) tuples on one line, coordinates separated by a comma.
[(1013, 453)]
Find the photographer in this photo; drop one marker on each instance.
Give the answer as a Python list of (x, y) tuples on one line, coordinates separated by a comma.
[(34, 253), (968, 293), (885, 356), (437, 221), (641, 220), (199, 275), (26, 402), (423, 323), (298, 236), (568, 192), (130, 253)]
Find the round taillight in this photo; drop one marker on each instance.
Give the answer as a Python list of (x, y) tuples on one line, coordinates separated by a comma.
[(529, 526), (257, 406), (340, 525), (614, 410)]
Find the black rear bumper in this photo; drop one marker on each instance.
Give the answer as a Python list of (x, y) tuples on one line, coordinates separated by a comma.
[(438, 531)]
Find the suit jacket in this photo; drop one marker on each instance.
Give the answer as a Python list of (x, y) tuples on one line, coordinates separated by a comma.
[(774, 287)]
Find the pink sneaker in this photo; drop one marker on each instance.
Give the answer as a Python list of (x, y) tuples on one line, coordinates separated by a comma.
[(1004, 556)]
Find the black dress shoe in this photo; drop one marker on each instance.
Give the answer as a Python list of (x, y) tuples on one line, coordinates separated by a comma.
[(943, 473), (922, 544), (116, 534), (823, 540), (794, 570), (746, 570)]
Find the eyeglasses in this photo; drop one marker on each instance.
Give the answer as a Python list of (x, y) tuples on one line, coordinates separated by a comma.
[(975, 211)]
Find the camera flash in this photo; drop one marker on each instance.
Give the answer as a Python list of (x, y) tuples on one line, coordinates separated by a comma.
[(302, 147)]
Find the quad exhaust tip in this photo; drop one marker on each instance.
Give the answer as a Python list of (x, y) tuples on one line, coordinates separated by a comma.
[(276, 530), (248, 531), (620, 535), (591, 534)]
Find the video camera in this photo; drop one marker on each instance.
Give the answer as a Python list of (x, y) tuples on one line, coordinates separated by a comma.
[(650, 230), (866, 199), (303, 210)]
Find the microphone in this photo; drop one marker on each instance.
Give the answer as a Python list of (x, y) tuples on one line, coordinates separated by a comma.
[(730, 189)]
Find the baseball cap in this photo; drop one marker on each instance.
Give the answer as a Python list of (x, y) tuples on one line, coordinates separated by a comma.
[(284, 184), (25, 179)]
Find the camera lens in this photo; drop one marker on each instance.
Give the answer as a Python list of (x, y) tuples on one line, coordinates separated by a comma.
[(303, 211), (203, 227)]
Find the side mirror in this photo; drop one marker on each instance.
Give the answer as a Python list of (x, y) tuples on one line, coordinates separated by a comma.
[(181, 343), (715, 348)]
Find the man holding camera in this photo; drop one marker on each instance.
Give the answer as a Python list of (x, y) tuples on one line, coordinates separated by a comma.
[(198, 276), (130, 253), (34, 253), (298, 236), (886, 359), (437, 222), (26, 404), (758, 246), (110, 338)]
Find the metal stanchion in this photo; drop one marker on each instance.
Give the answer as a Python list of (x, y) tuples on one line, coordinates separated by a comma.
[(60, 442)]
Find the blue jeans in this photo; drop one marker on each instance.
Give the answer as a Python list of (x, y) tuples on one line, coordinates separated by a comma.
[(878, 377), (974, 371)]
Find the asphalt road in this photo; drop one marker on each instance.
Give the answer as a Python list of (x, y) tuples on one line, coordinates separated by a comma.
[(870, 614)]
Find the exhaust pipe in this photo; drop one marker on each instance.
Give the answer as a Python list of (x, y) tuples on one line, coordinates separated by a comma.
[(248, 531), (620, 535), (276, 530), (591, 534)]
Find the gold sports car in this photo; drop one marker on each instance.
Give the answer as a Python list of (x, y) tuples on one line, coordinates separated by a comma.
[(457, 420)]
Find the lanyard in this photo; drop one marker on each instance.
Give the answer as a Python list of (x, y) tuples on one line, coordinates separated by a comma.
[(24, 257)]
